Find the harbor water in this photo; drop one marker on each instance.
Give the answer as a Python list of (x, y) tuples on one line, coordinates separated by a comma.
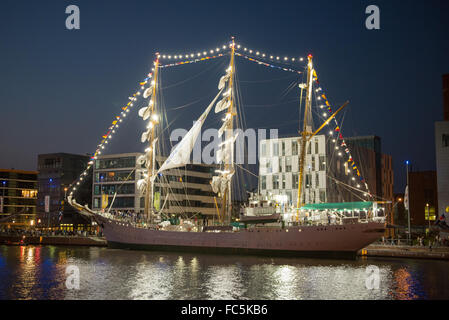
[(41, 272)]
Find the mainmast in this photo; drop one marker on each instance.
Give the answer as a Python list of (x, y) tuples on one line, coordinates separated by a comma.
[(307, 134), (307, 130), (150, 151), (229, 147)]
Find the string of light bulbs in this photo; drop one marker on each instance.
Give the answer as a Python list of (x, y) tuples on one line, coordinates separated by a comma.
[(272, 57), (342, 142), (111, 130), (238, 47)]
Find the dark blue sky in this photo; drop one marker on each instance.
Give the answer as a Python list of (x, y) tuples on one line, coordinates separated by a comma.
[(61, 88)]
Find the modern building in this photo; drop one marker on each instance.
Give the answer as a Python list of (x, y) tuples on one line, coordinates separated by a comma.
[(442, 153), (423, 200), (56, 172), (18, 196), (184, 192), (328, 176), (377, 168), (279, 170)]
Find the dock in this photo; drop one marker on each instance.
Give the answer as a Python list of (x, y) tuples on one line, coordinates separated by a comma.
[(398, 251), (54, 240)]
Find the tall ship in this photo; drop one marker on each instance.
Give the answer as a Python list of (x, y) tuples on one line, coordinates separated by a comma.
[(266, 224)]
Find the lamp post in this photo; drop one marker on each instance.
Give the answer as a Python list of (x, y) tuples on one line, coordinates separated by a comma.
[(408, 201), (428, 215), (3, 195)]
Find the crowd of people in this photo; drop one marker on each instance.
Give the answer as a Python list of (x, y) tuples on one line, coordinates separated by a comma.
[(420, 241)]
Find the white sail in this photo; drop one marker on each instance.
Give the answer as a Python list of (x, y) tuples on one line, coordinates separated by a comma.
[(141, 186), (223, 127), (220, 183), (180, 155), (148, 92), (223, 81), (141, 159), (145, 136), (223, 104), (145, 112)]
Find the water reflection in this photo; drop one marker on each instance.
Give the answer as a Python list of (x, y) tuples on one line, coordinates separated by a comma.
[(35, 272)]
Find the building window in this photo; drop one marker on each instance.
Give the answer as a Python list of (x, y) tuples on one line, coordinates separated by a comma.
[(264, 149), (268, 166), (317, 179), (295, 181), (316, 146), (322, 195), (288, 164), (322, 163), (294, 147), (308, 180), (283, 148), (263, 183), (275, 181), (275, 149), (283, 181), (445, 140), (309, 148), (313, 163)]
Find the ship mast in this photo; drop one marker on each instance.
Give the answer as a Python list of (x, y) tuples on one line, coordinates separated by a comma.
[(306, 132), (229, 147), (151, 160)]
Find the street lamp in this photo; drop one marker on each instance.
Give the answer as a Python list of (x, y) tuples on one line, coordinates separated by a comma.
[(428, 215), (408, 201)]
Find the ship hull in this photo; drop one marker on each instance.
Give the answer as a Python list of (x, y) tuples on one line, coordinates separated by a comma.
[(334, 241)]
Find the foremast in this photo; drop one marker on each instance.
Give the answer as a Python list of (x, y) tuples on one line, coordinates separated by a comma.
[(150, 155)]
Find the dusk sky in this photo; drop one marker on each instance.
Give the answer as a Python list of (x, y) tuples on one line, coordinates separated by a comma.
[(60, 89)]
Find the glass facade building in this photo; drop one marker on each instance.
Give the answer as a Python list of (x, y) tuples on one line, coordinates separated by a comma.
[(18, 196)]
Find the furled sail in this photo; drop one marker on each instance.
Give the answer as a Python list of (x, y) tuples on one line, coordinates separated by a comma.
[(220, 183), (223, 127), (145, 136), (223, 104), (145, 112), (223, 80), (180, 155), (148, 92), (142, 186)]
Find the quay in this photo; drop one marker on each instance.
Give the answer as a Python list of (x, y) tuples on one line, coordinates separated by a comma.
[(398, 251), (53, 240)]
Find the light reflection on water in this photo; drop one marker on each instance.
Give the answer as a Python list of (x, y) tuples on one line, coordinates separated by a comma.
[(35, 272)]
